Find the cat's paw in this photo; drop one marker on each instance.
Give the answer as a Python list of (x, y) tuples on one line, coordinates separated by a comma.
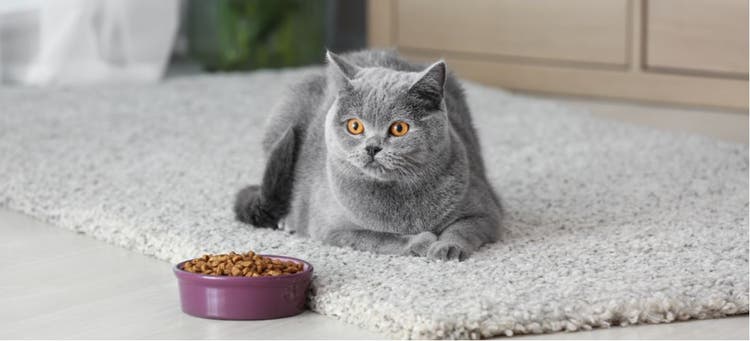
[(448, 251), (420, 243), (248, 209)]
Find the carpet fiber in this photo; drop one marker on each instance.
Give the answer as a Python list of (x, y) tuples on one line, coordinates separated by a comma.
[(608, 224)]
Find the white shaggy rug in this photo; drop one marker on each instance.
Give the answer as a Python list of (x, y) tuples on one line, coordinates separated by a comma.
[(609, 224)]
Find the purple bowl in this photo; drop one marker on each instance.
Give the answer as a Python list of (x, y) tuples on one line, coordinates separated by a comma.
[(244, 298)]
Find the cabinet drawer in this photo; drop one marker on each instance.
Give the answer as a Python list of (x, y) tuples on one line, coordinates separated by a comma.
[(697, 35), (593, 31)]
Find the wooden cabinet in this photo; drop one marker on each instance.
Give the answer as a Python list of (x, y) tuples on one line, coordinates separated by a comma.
[(560, 31), (692, 52), (697, 35)]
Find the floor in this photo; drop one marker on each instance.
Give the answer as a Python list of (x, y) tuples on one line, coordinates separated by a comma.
[(726, 125), (58, 284)]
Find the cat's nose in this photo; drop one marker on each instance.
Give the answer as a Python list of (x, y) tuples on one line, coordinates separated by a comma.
[(372, 150)]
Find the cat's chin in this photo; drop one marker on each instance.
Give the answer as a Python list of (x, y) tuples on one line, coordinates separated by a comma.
[(376, 170)]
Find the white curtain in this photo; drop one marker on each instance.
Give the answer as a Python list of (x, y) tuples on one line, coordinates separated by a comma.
[(86, 41)]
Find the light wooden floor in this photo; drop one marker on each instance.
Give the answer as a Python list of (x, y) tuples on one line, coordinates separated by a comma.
[(57, 284), (726, 125)]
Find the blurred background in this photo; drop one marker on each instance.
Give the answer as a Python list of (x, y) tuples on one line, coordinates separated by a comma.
[(679, 64), (85, 41)]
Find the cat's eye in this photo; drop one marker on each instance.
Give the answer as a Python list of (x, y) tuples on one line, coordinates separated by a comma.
[(399, 128), (355, 126)]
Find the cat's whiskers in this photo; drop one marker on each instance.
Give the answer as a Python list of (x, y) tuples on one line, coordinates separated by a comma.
[(401, 165)]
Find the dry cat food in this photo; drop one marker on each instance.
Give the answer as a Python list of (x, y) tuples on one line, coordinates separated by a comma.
[(245, 264)]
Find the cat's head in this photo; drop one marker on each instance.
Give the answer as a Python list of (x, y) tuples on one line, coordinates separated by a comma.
[(390, 125)]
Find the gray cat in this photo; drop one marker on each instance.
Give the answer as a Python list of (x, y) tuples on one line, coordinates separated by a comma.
[(380, 155)]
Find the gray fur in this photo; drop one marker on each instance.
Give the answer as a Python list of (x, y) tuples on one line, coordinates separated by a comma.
[(265, 205), (424, 193)]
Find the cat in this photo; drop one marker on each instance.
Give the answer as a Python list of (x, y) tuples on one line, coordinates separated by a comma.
[(377, 154)]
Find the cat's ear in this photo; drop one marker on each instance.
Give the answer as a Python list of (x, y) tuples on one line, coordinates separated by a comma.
[(340, 71), (431, 84)]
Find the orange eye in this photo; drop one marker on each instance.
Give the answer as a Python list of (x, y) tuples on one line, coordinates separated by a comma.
[(355, 126), (399, 128)]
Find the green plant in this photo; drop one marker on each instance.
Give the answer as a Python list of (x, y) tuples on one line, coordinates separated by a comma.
[(248, 34)]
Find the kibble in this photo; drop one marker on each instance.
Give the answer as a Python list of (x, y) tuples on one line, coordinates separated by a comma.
[(246, 264)]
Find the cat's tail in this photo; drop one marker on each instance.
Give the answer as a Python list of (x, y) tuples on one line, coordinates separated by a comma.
[(264, 205)]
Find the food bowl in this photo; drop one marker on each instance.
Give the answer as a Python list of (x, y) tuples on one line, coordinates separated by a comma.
[(244, 298)]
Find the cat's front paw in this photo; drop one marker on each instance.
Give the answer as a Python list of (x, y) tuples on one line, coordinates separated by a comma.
[(448, 251), (420, 243)]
